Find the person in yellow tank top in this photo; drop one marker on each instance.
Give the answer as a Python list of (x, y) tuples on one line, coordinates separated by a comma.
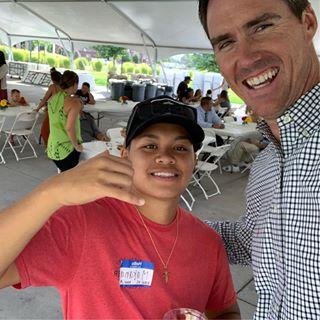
[(64, 144)]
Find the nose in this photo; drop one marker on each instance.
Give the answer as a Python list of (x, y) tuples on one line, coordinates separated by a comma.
[(165, 157), (248, 54)]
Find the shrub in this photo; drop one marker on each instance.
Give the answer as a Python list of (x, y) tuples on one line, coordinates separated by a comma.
[(51, 61), (144, 68), (128, 67), (97, 65), (137, 69), (112, 67), (158, 70), (135, 58), (5, 50), (20, 55), (80, 63), (65, 63)]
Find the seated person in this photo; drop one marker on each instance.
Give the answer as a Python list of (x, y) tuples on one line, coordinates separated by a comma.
[(85, 95), (17, 99), (112, 228), (188, 97), (197, 95), (207, 118), (222, 104), (242, 153), (89, 129)]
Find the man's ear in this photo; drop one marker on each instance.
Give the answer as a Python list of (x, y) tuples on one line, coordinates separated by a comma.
[(309, 19), (125, 153)]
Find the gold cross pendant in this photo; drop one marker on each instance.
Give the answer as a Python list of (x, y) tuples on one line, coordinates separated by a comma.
[(166, 275)]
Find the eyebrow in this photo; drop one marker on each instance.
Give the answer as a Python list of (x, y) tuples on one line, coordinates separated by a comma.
[(266, 16)]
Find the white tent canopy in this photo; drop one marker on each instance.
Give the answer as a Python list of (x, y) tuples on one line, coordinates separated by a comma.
[(163, 27)]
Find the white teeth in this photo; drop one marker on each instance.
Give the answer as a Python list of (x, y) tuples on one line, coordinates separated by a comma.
[(258, 81), (164, 174)]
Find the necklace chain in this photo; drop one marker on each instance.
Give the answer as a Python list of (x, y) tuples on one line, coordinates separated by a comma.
[(165, 265)]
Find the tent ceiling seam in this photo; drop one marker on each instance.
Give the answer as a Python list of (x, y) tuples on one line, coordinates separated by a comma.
[(40, 17), (116, 9)]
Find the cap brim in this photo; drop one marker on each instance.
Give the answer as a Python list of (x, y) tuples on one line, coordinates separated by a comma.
[(195, 132)]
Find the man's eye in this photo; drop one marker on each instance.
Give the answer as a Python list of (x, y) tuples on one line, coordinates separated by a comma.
[(262, 27), (225, 44)]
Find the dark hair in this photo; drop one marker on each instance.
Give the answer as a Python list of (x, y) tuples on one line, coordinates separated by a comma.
[(296, 6), (15, 90), (198, 91), (68, 79), (209, 91), (56, 76), (53, 69), (2, 58), (224, 94), (87, 84), (187, 78), (205, 100)]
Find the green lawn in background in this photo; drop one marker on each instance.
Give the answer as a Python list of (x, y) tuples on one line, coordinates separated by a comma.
[(234, 98), (100, 78)]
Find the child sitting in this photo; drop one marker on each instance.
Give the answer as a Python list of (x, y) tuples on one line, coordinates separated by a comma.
[(16, 99)]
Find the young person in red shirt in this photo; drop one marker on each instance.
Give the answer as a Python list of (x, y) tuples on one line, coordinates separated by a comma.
[(110, 235)]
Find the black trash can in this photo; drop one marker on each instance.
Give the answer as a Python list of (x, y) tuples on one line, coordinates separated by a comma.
[(117, 90), (138, 92), (128, 89), (160, 91), (151, 91), (168, 90)]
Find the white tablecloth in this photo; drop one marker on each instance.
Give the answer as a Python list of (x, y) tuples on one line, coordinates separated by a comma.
[(93, 148), (237, 130), (111, 109)]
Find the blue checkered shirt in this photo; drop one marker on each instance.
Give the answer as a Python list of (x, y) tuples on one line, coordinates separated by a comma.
[(280, 233)]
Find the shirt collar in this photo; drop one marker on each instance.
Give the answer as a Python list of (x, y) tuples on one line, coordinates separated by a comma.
[(303, 115)]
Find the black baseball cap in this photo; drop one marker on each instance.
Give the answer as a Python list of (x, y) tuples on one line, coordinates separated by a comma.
[(164, 109)]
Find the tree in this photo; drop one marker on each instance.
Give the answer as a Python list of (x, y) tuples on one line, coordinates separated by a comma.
[(203, 62), (108, 52)]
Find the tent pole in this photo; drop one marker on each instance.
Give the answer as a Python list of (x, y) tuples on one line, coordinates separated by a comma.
[(10, 48), (164, 73), (71, 54), (148, 54)]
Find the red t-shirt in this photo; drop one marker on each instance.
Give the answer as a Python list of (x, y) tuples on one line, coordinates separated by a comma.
[(80, 249)]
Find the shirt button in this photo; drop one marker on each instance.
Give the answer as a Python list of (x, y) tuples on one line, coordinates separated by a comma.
[(279, 257), (287, 119), (305, 133), (275, 208)]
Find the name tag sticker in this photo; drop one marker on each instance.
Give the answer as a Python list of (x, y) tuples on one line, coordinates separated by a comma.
[(135, 273)]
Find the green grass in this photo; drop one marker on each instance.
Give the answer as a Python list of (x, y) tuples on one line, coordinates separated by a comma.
[(100, 78), (234, 98)]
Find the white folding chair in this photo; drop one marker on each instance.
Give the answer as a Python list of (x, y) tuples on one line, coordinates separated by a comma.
[(206, 167), (22, 127), (2, 120)]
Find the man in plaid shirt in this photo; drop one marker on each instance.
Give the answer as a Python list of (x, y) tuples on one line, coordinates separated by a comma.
[(266, 54)]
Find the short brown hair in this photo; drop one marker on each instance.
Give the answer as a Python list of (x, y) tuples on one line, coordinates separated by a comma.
[(296, 6), (205, 100)]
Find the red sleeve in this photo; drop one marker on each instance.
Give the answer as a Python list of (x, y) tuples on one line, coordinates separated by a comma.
[(53, 255), (223, 294), (23, 101)]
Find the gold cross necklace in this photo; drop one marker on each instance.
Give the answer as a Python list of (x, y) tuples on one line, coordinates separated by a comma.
[(165, 265)]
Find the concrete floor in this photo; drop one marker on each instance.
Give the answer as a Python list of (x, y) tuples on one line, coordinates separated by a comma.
[(18, 178)]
